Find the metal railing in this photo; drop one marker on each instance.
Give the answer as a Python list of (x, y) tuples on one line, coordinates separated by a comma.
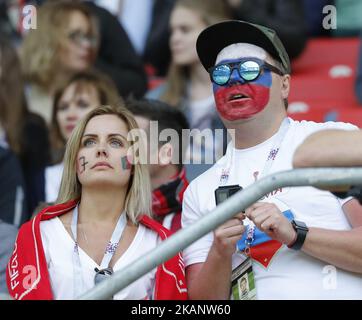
[(317, 177)]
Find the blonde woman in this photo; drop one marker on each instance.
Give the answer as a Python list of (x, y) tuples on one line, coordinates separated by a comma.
[(65, 41), (100, 224)]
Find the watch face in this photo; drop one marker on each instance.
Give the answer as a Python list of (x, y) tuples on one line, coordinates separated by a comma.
[(300, 225)]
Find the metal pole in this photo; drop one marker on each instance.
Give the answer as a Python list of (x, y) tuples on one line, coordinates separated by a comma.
[(237, 203)]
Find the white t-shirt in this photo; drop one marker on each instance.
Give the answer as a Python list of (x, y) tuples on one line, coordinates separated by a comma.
[(285, 273), (53, 178), (59, 245)]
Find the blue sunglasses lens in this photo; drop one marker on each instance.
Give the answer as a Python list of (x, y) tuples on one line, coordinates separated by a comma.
[(249, 70), (221, 74)]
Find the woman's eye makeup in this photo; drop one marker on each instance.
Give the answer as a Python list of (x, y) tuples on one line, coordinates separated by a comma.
[(88, 142), (116, 143)]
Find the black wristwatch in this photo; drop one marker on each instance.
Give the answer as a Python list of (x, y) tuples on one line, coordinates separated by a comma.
[(302, 230)]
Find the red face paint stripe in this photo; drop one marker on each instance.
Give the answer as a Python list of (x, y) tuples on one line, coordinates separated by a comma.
[(258, 97)]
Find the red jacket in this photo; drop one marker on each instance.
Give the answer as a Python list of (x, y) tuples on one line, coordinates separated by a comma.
[(27, 274)]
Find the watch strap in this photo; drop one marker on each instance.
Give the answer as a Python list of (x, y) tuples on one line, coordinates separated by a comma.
[(301, 230)]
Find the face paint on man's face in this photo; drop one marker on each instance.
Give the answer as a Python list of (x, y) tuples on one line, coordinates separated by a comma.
[(254, 96), (241, 50), (255, 93)]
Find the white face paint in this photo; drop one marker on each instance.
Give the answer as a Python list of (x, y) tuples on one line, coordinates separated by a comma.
[(241, 50), (254, 98)]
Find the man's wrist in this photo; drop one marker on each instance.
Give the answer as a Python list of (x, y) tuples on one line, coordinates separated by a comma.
[(291, 243), (301, 231)]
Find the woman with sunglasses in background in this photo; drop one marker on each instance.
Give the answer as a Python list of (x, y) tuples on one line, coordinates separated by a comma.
[(100, 223), (187, 84), (64, 42)]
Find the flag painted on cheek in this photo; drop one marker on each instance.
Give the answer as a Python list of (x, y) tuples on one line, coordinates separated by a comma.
[(257, 96), (126, 165)]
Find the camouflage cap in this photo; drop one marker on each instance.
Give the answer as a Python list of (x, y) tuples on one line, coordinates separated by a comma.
[(218, 36)]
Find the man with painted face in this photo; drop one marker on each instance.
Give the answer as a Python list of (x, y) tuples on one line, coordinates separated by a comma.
[(295, 242)]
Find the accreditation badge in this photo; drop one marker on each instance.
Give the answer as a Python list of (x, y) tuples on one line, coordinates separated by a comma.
[(243, 282)]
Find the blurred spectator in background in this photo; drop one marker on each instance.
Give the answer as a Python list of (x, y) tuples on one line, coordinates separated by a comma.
[(349, 21), (12, 189), (358, 86), (23, 132), (187, 85), (7, 239), (168, 178), (65, 42), (82, 93), (11, 18), (7, 26), (147, 25), (116, 55), (286, 17)]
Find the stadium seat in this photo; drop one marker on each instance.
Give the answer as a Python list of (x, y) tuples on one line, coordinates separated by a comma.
[(322, 86)]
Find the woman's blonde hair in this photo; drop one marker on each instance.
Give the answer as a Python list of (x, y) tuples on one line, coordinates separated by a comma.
[(211, 12), (138, 197), (39, 51)]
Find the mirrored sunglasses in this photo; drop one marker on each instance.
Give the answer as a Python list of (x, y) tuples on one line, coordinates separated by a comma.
[(249, 69)]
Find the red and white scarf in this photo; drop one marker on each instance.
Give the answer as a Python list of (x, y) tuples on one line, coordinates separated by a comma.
[(27, 274), (167, 199)]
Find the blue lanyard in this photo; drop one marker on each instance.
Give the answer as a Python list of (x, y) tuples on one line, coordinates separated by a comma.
[(272, 154), (111, 248)]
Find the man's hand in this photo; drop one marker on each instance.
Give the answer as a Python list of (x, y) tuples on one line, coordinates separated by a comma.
[(270, 220), (227, 235)]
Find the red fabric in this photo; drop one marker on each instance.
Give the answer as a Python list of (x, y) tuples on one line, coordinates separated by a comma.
[(264, 252), (27, 275), (170, 277), (323, 79), (176, 222), (167, 199)]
